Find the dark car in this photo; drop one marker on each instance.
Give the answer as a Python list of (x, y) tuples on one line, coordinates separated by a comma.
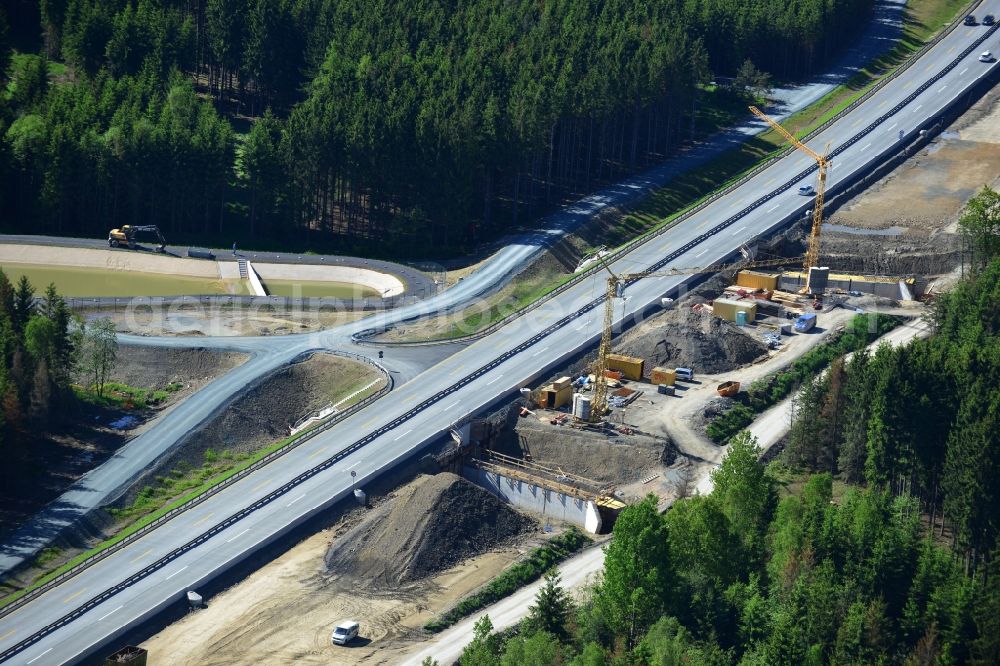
[(970, 20), (988, 19)]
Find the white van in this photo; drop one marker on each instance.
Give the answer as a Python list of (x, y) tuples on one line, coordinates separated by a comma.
[(687, 374), (345, 632)]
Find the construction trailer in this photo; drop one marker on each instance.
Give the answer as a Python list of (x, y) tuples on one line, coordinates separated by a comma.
[(729, 310)]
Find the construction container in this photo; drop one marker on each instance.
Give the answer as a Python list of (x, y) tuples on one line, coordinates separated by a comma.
[(741, 318), (614, 374), (663, 376), (755, 280), (553, 398), (130, 655), (665, 389), (727, 309), (728, 389), (630, 366), (562, 382), (582, 410)]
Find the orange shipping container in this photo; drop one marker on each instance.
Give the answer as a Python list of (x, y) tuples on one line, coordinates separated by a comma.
[(663, 376)]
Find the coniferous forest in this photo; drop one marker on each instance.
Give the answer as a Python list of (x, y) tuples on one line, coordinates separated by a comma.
[(416, 125)]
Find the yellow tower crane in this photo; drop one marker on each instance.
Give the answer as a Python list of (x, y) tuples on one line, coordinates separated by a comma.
[(616, 283), (812, 253)]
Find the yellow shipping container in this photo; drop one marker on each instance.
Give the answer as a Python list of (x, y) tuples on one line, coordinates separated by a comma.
[(727, 309), (562, 382), (755, 280), (630, 366), (663, 376)]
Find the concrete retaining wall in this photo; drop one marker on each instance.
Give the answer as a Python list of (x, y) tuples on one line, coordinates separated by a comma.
[(538, 500)]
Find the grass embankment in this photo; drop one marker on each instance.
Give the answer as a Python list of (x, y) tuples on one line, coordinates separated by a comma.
[(517, 576), (178, 487), (769, 391)]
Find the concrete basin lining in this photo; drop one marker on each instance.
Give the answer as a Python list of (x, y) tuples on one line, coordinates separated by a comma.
[(385, 284)]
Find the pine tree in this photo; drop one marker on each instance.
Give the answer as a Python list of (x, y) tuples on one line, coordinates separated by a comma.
[(551, 609)]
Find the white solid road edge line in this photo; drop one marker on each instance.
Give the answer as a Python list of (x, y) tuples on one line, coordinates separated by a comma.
[(238, 535), (111, 613), (174, 573), (31, 661)]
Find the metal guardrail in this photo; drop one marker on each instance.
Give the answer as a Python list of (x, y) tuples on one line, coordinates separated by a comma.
[(399, 420), (222, 485), (363, 337)]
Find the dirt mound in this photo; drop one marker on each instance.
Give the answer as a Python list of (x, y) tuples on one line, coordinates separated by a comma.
[(428, 526), (158, 367), (690, 339)]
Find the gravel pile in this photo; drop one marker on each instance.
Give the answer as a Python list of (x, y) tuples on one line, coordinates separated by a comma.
[(428, 526), (683, 338)]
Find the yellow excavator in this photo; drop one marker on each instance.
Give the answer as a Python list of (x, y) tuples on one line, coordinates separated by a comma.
[(127, 234)]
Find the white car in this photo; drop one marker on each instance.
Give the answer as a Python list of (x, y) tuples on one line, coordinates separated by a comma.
[(985, 56), (345, 632), (807, 190)]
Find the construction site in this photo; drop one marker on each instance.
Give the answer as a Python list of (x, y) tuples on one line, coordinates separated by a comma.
[(612, 426), (606, 429)]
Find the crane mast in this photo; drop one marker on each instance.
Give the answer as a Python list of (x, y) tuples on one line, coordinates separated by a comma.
[(823, 162), (615, 282)]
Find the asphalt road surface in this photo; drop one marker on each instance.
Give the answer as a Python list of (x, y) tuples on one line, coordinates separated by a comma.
[(91, 609), (103, 484)]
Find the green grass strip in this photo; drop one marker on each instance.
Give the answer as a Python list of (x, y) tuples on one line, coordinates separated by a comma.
[(528, 571)]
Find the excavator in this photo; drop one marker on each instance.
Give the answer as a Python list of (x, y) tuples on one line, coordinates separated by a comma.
[(127, 234)]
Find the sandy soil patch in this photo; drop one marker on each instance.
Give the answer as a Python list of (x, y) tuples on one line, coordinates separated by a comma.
[(115, 260), (284, 613), (922, 199)]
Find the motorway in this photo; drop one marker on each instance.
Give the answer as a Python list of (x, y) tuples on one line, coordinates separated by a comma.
[(91, 609), (103, 484)]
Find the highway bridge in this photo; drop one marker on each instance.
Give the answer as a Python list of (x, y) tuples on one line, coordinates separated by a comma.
[(89, 610)]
